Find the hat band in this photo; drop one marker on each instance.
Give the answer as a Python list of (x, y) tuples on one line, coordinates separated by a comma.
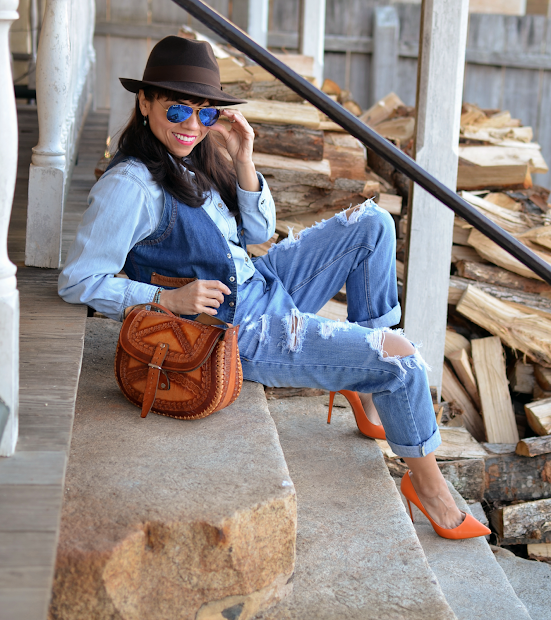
[(182, 73)]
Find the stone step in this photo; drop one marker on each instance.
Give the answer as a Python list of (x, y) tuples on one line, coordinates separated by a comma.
[(530, 580), (473, 582), (358, 556), (165, 519)]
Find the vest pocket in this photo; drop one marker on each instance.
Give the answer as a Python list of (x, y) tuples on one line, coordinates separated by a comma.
[(158, 280)]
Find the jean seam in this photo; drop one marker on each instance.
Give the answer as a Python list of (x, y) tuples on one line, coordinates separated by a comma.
[(410, 414), (366, 288), (361, 368), (327, 265)]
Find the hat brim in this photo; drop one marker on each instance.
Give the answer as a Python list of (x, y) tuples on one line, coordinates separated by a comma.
[(211, 93)]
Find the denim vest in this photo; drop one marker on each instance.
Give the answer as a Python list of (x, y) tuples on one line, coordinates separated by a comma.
[(186, 244)]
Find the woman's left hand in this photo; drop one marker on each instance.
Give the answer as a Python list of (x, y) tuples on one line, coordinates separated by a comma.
[(239, 138), (239, 141)]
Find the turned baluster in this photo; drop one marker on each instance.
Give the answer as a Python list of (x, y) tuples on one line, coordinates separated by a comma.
[(48, 168)]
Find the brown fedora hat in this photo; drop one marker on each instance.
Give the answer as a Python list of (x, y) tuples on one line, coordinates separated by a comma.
[(185, 66)]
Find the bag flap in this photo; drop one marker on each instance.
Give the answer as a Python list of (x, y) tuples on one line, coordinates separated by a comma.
[(190, 343)]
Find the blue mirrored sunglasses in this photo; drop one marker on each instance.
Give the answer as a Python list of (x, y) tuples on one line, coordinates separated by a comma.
[(178, 113)]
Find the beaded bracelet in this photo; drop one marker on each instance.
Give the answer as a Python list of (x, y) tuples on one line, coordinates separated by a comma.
[(157, 296)]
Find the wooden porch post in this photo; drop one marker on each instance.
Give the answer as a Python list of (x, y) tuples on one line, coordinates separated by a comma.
[(430, 224), (252, 16), (384, 61), (312, 33), (9, 295)]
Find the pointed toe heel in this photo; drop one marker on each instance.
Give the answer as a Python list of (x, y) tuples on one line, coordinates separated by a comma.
[(469, 528), (367, 428)]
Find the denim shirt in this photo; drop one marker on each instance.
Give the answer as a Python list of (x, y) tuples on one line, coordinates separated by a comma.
[(126, 207)]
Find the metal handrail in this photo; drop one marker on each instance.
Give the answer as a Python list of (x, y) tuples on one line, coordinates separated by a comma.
[(365, 134)]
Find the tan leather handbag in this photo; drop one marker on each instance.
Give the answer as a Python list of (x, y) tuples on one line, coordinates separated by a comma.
[(176, 367)]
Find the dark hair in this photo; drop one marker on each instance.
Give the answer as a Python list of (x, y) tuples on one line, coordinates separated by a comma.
[(206, 161)]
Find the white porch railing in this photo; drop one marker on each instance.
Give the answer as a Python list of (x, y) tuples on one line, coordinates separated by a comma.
[(64, 86), (9, 295)]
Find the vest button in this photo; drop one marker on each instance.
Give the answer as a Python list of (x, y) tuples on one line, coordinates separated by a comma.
[(232, 279), (228, 254), (231, 304)]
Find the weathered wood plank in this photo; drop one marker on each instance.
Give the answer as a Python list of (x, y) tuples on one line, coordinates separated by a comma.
[(509, 295), (490, 274), (33, 468), (462, 366), (538, 415), (452, 390), (25, 603), (51, 335), (490, 177), (518, 327), (30, 508), (497, 408), (386, 28)]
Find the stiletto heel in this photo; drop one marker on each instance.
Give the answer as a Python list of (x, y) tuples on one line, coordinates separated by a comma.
[(367, 428), (331, 399), (410, 511), (469, 528)]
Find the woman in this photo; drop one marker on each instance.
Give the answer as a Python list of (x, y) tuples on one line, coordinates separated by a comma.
[(176, 215)]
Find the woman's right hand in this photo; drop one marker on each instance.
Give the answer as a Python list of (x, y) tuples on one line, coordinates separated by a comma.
[(196, 297)]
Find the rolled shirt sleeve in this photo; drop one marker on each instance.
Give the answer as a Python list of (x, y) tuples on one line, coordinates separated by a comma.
[(257, 212), (120, 214)]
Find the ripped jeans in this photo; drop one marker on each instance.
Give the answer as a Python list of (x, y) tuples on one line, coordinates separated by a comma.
[(284, 344)]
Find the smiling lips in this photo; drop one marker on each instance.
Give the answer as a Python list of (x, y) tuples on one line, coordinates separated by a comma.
[(184, 139)]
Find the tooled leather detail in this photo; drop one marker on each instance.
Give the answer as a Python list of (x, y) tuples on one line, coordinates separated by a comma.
[(160, 280), (194, 354), (207, 394), (182, 340)]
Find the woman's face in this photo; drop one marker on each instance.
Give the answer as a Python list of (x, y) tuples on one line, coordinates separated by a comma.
[(179, 138)]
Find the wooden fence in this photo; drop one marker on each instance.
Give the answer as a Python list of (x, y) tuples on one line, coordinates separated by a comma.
[(508, 58)]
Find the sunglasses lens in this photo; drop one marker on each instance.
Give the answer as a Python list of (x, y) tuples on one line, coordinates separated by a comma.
[(179, 113), (208, 116)]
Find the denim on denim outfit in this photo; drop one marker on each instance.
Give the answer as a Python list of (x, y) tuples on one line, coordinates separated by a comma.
[(282, 342), (129, 211)]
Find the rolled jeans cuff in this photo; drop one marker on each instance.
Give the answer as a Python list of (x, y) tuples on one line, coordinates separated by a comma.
[(423, 449), (387, 320)]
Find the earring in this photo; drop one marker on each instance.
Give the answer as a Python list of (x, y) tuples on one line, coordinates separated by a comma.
[(145, 121)]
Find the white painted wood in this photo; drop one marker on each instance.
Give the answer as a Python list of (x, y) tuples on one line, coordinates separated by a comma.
[(128, 59), (64, 82), (9, 295), (430, 233), (252, 17), (312, 33), (384, 61)]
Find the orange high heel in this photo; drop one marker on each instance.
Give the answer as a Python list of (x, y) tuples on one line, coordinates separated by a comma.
[(469, 528), (367, 428)]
